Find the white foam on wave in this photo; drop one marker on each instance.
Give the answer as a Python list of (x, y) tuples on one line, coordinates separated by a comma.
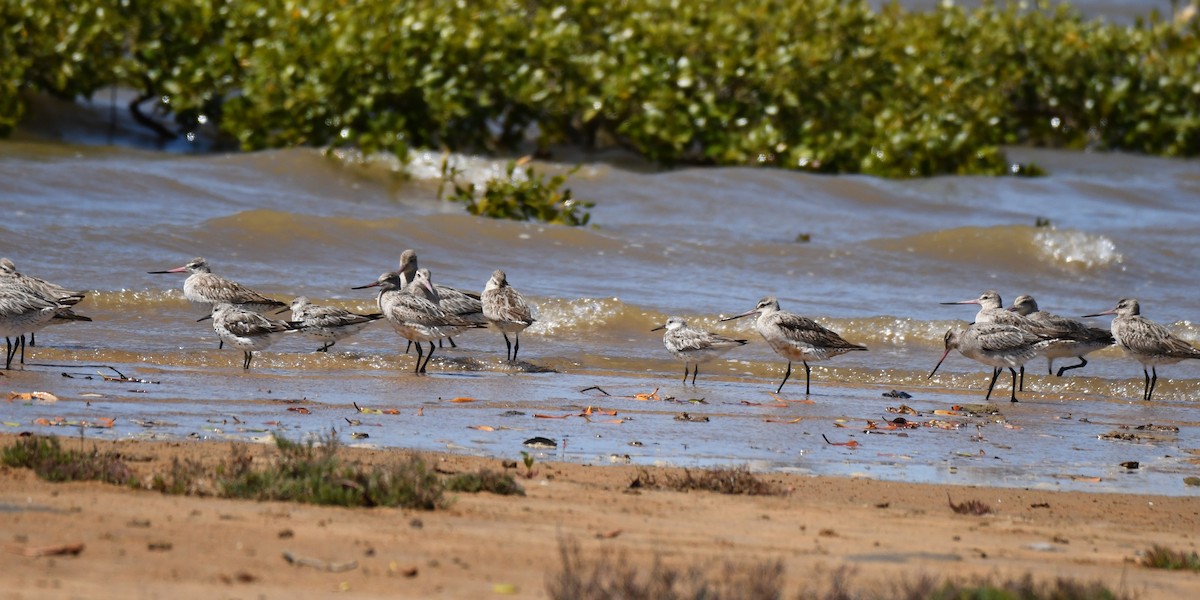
[(1076, 248)]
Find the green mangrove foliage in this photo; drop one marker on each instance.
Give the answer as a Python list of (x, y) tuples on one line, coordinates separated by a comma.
[(822, 85), (524, 196)]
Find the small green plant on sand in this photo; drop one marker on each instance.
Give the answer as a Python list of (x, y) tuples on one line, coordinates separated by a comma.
[(52, 462), (529, 196), (1159, 557)]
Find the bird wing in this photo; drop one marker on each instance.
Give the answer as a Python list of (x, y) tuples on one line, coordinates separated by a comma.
[(506, 304), (809, 332), (998, 337)]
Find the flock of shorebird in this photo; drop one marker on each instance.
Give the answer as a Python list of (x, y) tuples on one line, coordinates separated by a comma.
[(422, 312)]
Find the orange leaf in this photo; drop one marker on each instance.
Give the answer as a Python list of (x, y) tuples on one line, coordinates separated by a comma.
[(481, 427), (947, 413), (608, 535), (796, 420), (299, 409), (540, 416), (390, 411), (462, 399), (41, 421)]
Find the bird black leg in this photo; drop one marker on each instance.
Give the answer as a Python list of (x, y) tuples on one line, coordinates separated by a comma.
[(1013, 398), (685, 372), (695, 372), (325, 348), (32, 341), (516, 345), (408, 347), (995, 374), (1022, 378), (807, 376), (449, 339), (1149, 394), (427, 356), (20, 342), (507, 347), (1082, 363), (8, 353), (420, 355), (1146, 386), (246, 363), (787, 374)]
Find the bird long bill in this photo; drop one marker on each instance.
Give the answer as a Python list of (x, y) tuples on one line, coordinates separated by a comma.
[(937, 366), (1101, 314), (975, 301), (659, 328), (363, 287), (204, 318), (175, 270), (283, 310), (745, 314)]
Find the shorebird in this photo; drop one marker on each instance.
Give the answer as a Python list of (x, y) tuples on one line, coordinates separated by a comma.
[(247, 330), (327, 323), (413, 316), (991, 310), (1072, 337), (1146, 341), (50, 291), (694, 346), (504, 307), (452, 300), (994, 344), (204, 288), (796, 338)]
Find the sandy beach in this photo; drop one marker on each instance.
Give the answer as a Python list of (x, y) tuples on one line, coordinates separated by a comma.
[(142, 544)]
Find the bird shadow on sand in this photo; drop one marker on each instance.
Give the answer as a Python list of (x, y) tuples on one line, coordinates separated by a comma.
[(467, 363)]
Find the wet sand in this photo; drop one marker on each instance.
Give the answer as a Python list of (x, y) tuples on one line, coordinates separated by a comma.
[(140, 544)]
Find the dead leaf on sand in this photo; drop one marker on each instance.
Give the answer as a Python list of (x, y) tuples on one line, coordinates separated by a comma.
[(55, 550)]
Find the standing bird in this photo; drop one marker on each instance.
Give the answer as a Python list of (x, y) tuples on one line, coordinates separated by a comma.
[(796, 338), (997, 345), (504, 307), (694, 346), (413, 316), (50, 291), (1072, 337), (452, 300), (203, 288), (247, 330), (1146, 341), (991, 310), (327, 323), (24, 311)]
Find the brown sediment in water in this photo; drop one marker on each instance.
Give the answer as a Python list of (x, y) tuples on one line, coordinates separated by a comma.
[(138, 543)]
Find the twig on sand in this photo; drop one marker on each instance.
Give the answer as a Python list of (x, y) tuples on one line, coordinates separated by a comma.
[(56, 550), (319, 564), (595, 387)]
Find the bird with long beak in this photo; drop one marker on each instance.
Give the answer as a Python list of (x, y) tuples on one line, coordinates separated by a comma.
[(796, 338)]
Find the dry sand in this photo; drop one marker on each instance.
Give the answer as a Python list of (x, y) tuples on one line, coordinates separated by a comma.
[(141, 544)]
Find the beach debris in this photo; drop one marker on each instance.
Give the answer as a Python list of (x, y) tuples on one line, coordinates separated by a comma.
[(462, 399), (299, 409), (608, 535), (542, 443), (848, 444), (504, 589), (897, 394), (99, 423), (30, 396), (353, 422), (970, 507), (690, 418), (1131, 464), (512, 413), (784, 421), (528, 459), (545, 416), (320, 565), (651, 396), (775, 405), (410, 572), (481, 427), (781, 399), (1192, 481), (55, 550), (159, 546), (595, 387), (359, 435), (903, 409), (376, 411)]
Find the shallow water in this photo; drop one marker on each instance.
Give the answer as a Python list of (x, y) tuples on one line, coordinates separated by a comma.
[(700, 243)]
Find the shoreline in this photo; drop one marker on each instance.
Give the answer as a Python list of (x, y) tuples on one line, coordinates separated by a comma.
[(139, 543)]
